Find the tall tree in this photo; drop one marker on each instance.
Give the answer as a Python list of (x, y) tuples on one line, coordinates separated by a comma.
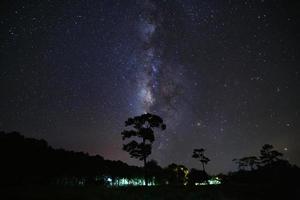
[(199, 155), (143, 126), (268, 155)]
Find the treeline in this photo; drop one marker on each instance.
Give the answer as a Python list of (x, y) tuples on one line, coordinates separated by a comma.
[(31, 161), (268, 167), (27, 160)]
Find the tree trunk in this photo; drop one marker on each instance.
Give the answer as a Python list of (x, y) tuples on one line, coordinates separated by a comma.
[(145, 166), (145, 171), (203, 167)]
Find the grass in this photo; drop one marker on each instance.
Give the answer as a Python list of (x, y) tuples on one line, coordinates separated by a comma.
[(136, 193)]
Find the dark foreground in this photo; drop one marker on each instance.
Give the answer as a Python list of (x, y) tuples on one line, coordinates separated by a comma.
[(229, 192)]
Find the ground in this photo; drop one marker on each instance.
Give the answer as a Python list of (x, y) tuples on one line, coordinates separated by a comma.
[(229, 192)]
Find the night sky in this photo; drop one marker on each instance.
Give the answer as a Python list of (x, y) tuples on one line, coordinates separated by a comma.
[(224, 75)]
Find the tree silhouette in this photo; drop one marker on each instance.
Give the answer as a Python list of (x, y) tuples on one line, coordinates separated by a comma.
[(143, 130), (197, 176), (268, 156), (199, 155), (154, 172), (251, 162), (241, 165), (176, 174)]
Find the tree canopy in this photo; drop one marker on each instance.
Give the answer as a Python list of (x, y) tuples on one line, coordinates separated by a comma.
[(199, 155), (143, 126)]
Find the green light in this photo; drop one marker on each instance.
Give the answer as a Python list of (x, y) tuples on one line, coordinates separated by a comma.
[(212, 181), (128, 182)]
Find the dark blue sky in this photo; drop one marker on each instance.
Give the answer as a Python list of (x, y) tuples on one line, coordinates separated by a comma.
[(224, 75)]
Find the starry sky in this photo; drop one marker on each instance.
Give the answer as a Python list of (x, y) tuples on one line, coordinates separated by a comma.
[(224, 75)]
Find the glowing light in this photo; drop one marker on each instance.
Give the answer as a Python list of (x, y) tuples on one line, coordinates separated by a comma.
[(147, 97), (212, 181), (147, 30), (127, 182)]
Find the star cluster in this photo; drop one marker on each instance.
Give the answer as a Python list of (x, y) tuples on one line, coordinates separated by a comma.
[(224, 75)]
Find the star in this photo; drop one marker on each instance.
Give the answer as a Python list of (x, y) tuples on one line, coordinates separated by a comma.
[(68, 72)]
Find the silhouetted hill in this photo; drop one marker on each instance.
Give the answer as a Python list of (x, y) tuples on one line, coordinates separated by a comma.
[(27, 160)]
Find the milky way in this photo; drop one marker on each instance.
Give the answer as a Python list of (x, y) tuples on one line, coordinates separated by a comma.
[(149, 60), (160, 80)]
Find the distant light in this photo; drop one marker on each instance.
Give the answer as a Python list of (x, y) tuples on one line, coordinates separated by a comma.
[(285, 148), (126, 182), (203, 183), (212, 181)]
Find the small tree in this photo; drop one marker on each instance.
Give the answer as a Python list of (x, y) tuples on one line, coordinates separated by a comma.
[(176, 174), (268, 156), (142, 128), (199, 155), (197, 176)]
